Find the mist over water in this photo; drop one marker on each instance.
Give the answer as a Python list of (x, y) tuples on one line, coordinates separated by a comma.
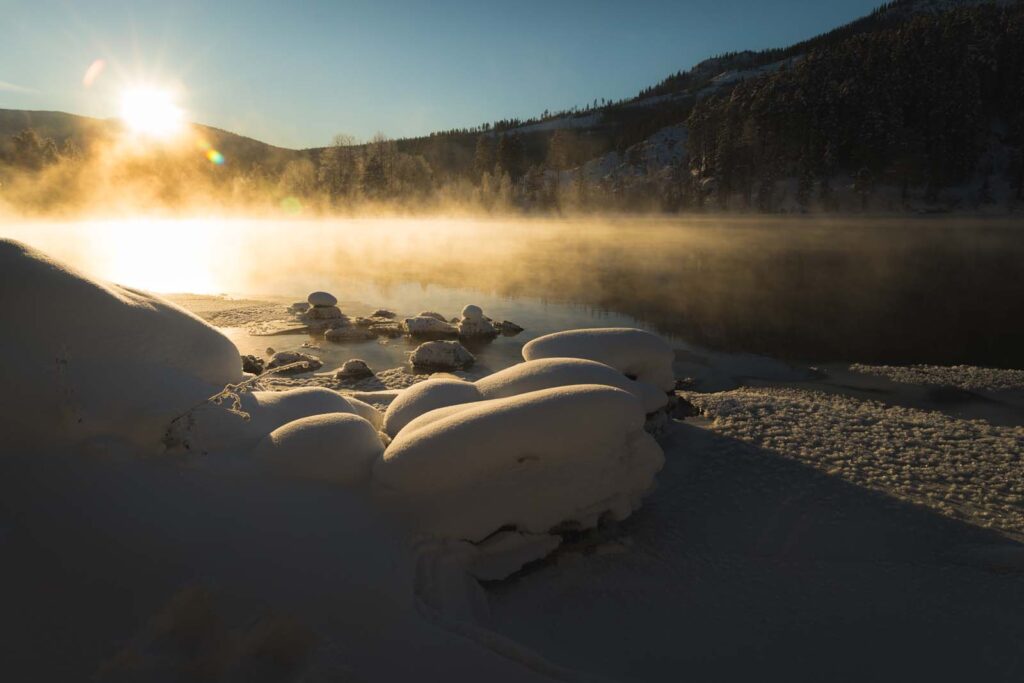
[(943, 291)]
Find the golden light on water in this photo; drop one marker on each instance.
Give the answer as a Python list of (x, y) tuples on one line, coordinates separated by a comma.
[(152, 112)]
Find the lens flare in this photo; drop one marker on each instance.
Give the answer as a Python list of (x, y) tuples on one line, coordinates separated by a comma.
[(213, 155), (93, 72), (151, 112)]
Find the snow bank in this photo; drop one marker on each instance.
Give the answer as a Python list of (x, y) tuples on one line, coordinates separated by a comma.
[(533, 461), (81, 358), (546, 373), (426, 396), (636, 353), (334, 447)]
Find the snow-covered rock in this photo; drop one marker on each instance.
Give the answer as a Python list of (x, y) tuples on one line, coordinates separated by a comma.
[(473, 312), (533, 462), (347, 333), (288, 357), (546, 373), (81, 358), (354, 368), (432, 314), (475, 324), (428, 325), (335, 447), (426, 396), (442, 355), (320, 299), (636, 353), (382, 313), (324, 313)]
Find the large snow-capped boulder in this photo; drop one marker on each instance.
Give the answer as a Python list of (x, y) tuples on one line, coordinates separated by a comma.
[(80, 358), (636, 353), (546, 373), (334, 447), (532, 462), (426, 396), (442, 355)]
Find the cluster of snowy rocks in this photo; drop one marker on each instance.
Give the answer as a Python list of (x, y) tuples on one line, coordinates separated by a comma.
[(558, 441), (321, 313)]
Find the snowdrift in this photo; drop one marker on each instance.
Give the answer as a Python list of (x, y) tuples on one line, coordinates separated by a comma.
[(547, 373), (81, 358), (424, 397), (335, 447), (523, 378), (535, 461), (636, 353)]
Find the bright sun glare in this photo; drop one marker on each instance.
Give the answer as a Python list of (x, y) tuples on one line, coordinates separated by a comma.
[(151, 111)]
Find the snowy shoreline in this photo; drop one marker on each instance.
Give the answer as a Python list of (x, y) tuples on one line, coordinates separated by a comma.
[(784, 496)]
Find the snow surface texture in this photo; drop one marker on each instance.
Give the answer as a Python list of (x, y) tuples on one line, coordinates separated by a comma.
[(532, 461), (966, 377), (335, 447), (84, 359), (523, 378), (966, 469), (636, 353)]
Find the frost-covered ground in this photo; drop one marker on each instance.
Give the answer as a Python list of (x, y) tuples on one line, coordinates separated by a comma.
[(966, 469), (966, 377)]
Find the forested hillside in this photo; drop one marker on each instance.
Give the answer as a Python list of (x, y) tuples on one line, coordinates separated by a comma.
[(918, 106)]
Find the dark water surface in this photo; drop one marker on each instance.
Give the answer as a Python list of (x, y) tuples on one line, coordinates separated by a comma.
[(918, 290)]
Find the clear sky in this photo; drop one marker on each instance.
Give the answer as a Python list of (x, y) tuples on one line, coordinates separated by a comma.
[(294, 72)]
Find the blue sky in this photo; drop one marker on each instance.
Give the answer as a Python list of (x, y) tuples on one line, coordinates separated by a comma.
[(296, 73)]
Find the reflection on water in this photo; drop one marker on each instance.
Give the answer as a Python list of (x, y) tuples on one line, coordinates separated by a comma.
[(935, 290)]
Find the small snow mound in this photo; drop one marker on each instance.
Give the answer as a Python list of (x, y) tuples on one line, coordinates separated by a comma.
[(636, 353), (424, 397), (212, 428), (533, 462), (473, 312), (443, 355), (354, 368), (317, 299), (546, 373), (336, 447), (428, 325)]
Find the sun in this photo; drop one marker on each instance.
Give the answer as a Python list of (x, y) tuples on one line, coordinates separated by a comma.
[(152, 112)]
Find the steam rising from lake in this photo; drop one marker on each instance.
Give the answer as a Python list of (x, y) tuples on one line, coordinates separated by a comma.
[(943, 291)]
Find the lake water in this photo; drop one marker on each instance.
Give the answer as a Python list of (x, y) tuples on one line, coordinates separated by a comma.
[(928, 290)]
